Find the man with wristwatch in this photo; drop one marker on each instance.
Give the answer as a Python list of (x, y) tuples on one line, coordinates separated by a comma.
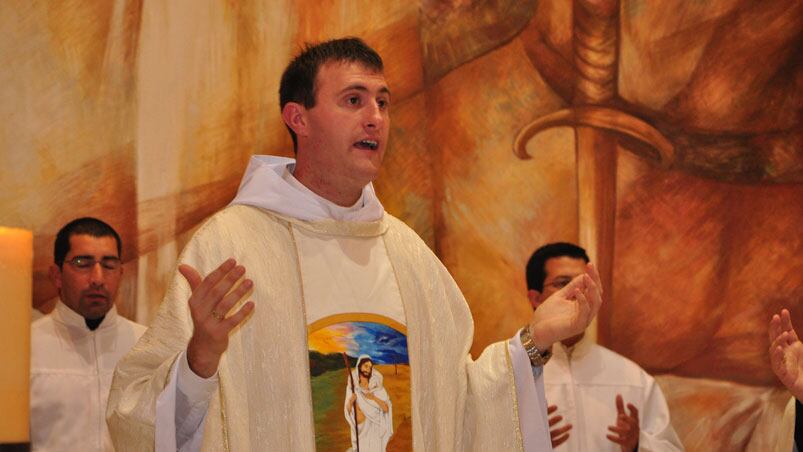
[(306, 243)]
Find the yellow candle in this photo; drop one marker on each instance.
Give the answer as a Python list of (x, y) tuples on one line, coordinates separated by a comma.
[(16, 268)]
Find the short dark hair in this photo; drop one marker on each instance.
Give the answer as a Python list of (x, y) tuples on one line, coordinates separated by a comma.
[(298, 79), (536, 271), (86, 225)]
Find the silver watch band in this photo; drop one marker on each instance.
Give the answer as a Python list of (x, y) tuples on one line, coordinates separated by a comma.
[(537, 356)]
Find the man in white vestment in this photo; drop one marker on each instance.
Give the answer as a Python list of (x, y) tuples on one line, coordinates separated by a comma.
[(587, 385), (786, 358), (74, 348), (216, 372), (368, 408)]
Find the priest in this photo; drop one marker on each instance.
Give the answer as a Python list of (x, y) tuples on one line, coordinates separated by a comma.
[(307, 243)]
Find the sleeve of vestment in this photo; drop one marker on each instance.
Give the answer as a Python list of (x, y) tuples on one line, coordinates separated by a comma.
[(181, 408), (656, 431), (142, 375), (460, 403), (531, 395)]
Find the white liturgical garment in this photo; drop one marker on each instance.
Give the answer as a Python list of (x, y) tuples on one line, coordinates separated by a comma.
[(493, 400), (71, 371), (583, 382)]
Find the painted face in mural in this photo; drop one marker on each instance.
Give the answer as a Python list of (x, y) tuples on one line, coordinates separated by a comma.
[(87, 289), (342, 139), (366, 368)]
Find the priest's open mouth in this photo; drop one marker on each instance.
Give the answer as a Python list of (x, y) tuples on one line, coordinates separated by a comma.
[(367, 145)]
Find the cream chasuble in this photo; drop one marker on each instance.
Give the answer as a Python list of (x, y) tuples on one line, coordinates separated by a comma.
[(263, 401)]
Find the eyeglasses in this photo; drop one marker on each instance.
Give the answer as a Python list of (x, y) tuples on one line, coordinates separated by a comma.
[(87, 263), (559, 283)]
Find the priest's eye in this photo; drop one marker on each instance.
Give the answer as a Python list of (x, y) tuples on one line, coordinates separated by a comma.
[(382, 103), (353, 100)]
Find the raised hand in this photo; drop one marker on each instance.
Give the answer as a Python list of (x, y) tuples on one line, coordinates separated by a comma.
[(212, 298), (568, 311), (786, 353), (627, 426), (558, 435)]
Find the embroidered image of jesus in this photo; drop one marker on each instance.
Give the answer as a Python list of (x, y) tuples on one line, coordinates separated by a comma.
[(360, 377), (368, 408)]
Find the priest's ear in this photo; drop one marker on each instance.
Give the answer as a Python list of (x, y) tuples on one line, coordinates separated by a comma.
[(55, 275), (295, 117), (535, 298)]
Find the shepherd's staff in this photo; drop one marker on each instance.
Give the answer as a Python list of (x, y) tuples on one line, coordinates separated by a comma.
[(351, 380)]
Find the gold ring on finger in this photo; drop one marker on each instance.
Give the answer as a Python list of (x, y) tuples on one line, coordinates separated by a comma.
[(217, 315)]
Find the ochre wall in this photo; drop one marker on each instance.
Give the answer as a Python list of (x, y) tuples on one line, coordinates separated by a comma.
[(145, 114)]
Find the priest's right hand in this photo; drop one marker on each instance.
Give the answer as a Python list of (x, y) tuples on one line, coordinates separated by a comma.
[(568, 311), (212, 298)]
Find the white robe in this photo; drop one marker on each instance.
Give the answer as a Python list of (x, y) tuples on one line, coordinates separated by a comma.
[(71, 372), (584, 387), (377, 428), (457, 403)]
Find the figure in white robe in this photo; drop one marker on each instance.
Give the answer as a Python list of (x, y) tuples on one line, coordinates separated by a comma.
[(71, 372), (254, 351), (584, 380), (495, 401), (75, 348), (588, 385), (374, 410)]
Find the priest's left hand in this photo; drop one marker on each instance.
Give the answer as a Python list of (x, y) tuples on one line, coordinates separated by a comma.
[(567, 312), (627, 426)]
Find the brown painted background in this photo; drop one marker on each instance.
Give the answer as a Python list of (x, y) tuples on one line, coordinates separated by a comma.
[(669, 142)]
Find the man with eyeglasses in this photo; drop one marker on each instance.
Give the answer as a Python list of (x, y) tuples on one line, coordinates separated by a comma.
[(74, 348), (588, 386)]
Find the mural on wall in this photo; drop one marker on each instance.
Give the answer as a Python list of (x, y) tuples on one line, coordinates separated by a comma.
[(666, 137), (699, 127)]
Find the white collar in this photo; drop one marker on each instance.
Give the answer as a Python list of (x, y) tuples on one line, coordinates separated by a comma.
[(576, 351), (64, 314), (269, 183)]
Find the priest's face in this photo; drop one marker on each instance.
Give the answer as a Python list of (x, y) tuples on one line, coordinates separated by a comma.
[(342, 139), (89, 278)]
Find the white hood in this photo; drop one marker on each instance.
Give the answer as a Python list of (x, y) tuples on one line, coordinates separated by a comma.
[(268, 183)]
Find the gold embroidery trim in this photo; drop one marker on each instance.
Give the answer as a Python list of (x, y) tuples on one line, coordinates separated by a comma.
[(408, 334), (358, 317), (223, 416), (513, 395), (306, 328)]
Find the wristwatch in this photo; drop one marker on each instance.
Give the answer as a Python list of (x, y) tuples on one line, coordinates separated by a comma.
[(537, 356)]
